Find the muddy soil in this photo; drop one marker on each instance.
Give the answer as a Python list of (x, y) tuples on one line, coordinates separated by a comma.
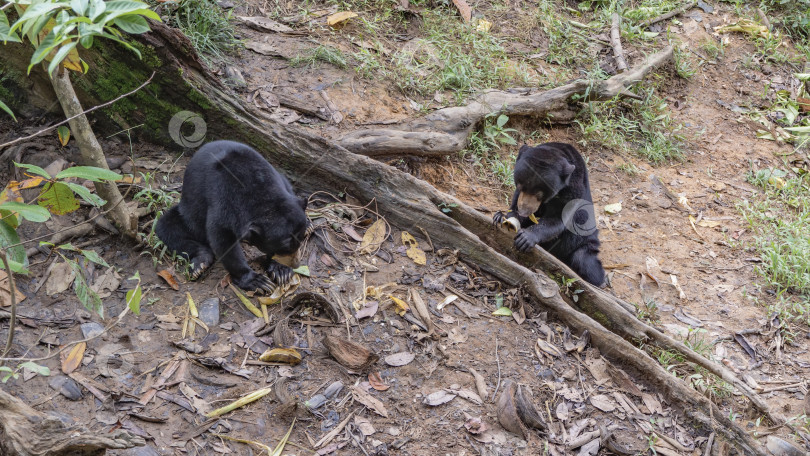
[(647, 246)]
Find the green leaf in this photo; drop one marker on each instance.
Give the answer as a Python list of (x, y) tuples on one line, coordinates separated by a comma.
[(89, 299), (132, 24), (93, 256), (33, 169), (27, 211), (86, 42), (58, 198), (85, 194), (55, 61), (5, 30), (134, 300), (34, 367), (16, 255), (90, 173), (6, 108), (79, 6), (502, 119), (96, 8), (502, 312), (117, 8), (45, 47), (303, 270), (9, 372), (67, 246)]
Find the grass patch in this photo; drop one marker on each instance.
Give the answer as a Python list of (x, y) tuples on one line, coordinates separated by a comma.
[(204, 23), (320, 54), (642, 127), (485, 147), (780, 223)]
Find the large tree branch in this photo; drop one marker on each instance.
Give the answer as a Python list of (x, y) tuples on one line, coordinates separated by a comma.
[(447, 130)]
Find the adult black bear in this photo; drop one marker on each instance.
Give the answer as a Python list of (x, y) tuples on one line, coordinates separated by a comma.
[(551, 182), (232, 194)]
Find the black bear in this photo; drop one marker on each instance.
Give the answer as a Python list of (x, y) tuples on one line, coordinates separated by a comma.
[(232, 194), (551, 183)]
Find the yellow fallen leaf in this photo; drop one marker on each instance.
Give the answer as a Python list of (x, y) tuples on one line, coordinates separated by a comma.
[(241, 402), (483, 25), (709, 223), (336, 20), (373, 237), (402, 306), (613, 208), (289, 356), (74, 358), (413, 252), (746, 26), (502, 312), (246, 302)]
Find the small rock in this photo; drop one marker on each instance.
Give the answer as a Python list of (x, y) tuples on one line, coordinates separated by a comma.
[(140, 451), (116, 162), (333, 389), (67, 387), (315, 402), (209, 311), (767, 69), (91, 329), (779, 447), (234, 77)]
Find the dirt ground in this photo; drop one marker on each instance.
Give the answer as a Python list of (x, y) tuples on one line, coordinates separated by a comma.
[(644, 246)]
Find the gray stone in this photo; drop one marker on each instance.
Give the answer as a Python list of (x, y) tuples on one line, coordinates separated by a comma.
[(209, 312), (91, 329)]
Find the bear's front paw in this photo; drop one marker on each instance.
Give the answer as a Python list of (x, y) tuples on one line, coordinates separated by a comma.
[(254, 282), (525, 240), (200, 264), (280, 273), (498, 218)]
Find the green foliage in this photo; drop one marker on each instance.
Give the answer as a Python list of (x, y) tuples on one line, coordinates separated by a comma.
[(134, 296), (204, 23), (7, 373), (321, 53), (5, 108), (485, 145)]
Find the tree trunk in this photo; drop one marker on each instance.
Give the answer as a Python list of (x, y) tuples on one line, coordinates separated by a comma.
[(27, 432), (92, 154)]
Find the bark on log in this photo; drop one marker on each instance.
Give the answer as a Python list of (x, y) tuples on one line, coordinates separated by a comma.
[(25, 431), (313, 163), (447, 130)]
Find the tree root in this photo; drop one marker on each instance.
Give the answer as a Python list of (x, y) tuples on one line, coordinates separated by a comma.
[(447, 130), (26, 431)]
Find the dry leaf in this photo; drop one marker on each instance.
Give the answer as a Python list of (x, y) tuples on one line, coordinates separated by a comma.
[(61, 278), (5, 295), (364, 425), (289, 356), (463, 9), (438, 398), (337, 20), (363, 397), (709, 223), (469, 395), (265, 25), (169, 278), (677, 286), (373, 237), (413, 252), (402, 306), (352, 355), (376, 382), (74, 358), (399, 359), (603, 402), (614, 208), (548, 348)]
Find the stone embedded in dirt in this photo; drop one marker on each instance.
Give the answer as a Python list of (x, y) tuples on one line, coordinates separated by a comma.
[(209, 312), (333, 389), (140, 451), (779, 447), (315, 401), (399, 359), (67, 387), (91, 329)]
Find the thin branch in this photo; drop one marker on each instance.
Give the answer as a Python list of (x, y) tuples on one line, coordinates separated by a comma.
[(616, 43), (47, 129), (668, 15), (13, 319)]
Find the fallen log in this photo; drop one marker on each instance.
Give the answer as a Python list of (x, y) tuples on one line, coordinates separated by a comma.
[(314, 163), (447, 130), (25, 431)]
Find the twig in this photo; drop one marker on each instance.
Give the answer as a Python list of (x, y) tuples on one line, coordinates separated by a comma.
[(497, 360), (616, 43), (47, 129), (668, 15), (13, 318)]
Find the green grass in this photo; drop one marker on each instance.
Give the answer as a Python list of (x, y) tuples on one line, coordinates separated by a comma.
[(485, 149), (780, 223), (205, 23), (640, 127), (320, 54)]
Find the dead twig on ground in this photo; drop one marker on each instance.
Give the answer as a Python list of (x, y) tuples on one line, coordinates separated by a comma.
[(616, 43), (668, 15), (13, 297)]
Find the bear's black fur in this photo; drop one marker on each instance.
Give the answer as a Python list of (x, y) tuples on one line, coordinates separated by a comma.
[(554, 176), (232, 194)]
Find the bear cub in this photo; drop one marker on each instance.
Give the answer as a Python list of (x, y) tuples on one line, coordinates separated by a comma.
[(231, 194), (551, 183)]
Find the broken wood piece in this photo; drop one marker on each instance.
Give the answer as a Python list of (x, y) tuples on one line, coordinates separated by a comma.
[(24, 430), (335, 115), (616, 43), (170, 369), (301, 106), (668, 15)]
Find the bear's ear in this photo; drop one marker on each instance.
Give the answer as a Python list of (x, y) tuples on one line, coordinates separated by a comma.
[(567, 170), (303, 203), (522, 148)]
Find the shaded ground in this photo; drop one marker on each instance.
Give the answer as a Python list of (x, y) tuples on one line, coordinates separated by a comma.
[(644, 246)]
